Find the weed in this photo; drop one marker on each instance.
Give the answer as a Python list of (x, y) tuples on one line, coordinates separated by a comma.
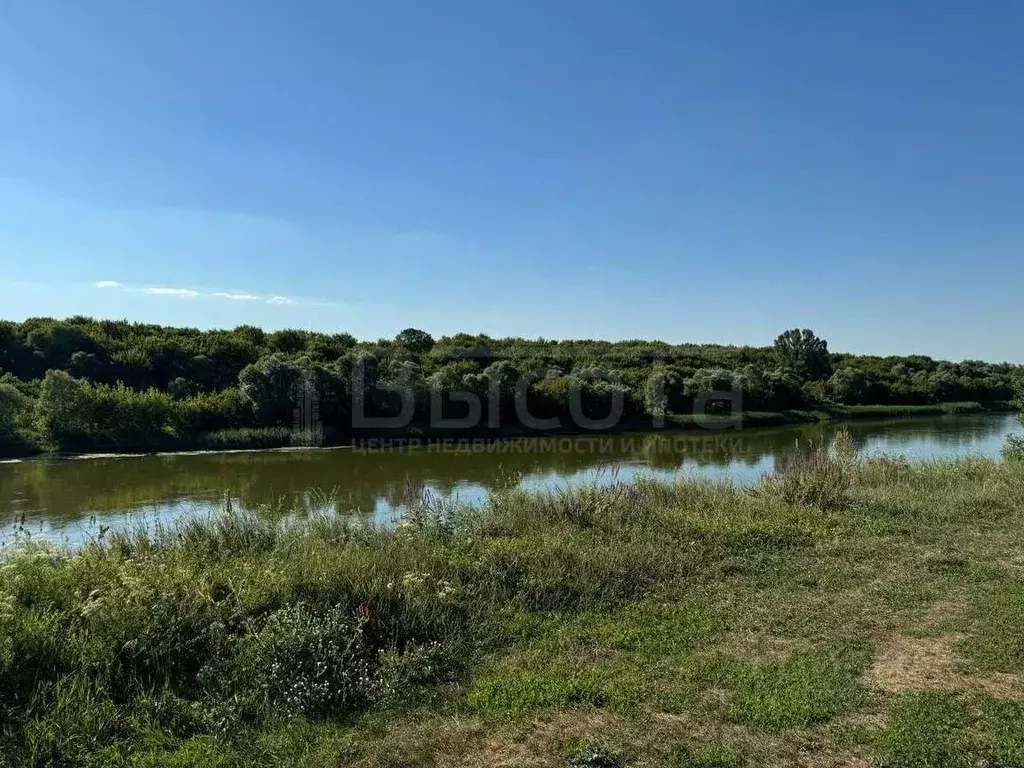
[(817, 475)]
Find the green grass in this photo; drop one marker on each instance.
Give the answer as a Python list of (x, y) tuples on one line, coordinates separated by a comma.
[(692, 624), (800, 690), (945, 730), (998, 643)]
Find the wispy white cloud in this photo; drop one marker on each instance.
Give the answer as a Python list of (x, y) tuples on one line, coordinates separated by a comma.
[(189, 293), (186, 293), (236, 296)]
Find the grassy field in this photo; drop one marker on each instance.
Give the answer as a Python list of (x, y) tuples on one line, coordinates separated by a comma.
[(844, 613)]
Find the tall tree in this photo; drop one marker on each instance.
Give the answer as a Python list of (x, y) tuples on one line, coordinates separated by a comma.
[(416, 341), (803, 353)]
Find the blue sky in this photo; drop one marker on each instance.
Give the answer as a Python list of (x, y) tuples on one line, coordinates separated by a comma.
[(561, 168)]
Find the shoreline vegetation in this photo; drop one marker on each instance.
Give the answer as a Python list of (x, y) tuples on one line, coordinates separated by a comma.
[(283, 438), (83, 385), (844, 611)]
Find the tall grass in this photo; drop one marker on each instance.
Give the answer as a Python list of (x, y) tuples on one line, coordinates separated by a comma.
[(214, 626), (255, 437), (819, 474)]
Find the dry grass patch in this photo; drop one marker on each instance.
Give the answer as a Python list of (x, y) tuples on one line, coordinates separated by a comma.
[(760, 647), (543, 744), (919, 664), (1013, 564), (469, 743), (794, 749), (815, 757), (950, 610), (908, 664)]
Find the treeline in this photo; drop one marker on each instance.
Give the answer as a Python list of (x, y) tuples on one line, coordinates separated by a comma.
[(85, 384)]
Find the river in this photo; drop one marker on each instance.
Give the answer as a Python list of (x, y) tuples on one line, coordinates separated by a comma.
[(70, 500)]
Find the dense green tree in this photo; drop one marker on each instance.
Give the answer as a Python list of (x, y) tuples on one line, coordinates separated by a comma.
[(657, 390), (756, 388), (848, 385), (803, 353), (250, 334), (401, 381), (717, 387), (502, 379), (549, 397), (63, 410), (708, 380), (58, 342), (73, 414), (449, 378), (416, 341), (325, 348), (289, 342), (271, 387), (947, 385), (182, 388), (786, 389), (15, 419)]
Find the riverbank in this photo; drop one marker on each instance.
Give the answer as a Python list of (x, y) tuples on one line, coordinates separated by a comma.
[(282, 438), (843, 612), (831, 412)]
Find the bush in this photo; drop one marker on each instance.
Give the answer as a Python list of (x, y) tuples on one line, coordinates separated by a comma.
[(403, 674), (308, 662), (1013, 450), (820, 475)]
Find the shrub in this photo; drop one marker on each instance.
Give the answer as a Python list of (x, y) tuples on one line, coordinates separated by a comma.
[(403, 674), (1014, 448), (307, 662), (819, 476)]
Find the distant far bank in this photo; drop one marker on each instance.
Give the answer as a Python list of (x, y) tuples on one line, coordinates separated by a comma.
[(97, 386), (285, 439)]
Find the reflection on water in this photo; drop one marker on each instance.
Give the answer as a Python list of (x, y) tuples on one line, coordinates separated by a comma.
[(71, 499)]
